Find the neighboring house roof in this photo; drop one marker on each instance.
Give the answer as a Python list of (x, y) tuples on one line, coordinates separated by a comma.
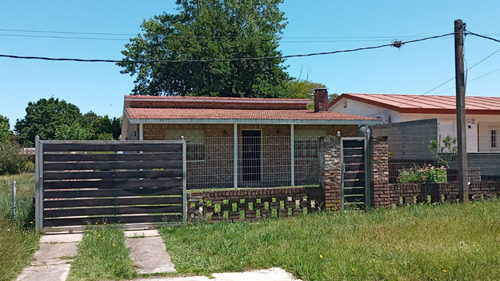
[(425, 104), (215, 110)]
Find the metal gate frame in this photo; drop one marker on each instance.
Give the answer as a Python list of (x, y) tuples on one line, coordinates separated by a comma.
[(136, 171), (366, 155)]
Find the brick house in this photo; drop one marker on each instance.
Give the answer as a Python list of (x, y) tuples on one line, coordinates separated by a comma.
[(241, 142)]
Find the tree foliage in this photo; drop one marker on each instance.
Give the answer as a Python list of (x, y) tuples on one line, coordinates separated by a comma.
[(5, 132), (42, 119), (56, 119), (208, 30), (302, 89)]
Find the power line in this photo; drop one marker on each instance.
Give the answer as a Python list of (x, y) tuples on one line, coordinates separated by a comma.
[(483, 36), (397, 44), (449, 80), (67, 32), (64, 37)]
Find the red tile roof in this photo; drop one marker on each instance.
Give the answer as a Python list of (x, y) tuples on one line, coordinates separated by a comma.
[(171, 109), (426, 104), (202, 113), (215, 102)]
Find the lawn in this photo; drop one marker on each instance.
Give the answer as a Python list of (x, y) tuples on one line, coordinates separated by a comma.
[(422, 242), (18, 240), (102, 255)]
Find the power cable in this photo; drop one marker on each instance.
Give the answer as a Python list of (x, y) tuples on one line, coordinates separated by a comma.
[(63, 37), (483, 36), (67, 32), (451, 79), (397, 44)]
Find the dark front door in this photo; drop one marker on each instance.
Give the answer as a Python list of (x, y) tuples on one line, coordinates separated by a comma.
[(251, 155)]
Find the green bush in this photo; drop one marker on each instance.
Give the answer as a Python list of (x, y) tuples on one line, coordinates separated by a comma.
[(425, 174), (12, 161)]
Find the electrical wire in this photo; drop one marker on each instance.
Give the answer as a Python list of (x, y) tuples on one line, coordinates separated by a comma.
[(451, 79), (64, 37), (397, 44), (483, 36), (67, 32)]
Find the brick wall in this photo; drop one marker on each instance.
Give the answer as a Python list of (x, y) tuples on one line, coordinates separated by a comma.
[(252, 204), (379, 182), (388, 195), (332, 173), (412, 193)]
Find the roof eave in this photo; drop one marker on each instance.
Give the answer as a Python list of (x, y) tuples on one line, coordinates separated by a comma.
[(253, 121)]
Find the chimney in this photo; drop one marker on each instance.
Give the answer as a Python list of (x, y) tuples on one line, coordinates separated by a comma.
[(320, 99)]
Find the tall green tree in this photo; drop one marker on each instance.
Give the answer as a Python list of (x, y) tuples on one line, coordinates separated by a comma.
[(302, 89), (42, 119), (4, 129), (210, 30)]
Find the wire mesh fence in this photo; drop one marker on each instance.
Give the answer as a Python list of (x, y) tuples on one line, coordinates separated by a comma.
[(215, 162), (415, 154)]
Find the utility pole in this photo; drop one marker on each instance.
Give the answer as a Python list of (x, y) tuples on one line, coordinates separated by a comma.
[(463, 178)]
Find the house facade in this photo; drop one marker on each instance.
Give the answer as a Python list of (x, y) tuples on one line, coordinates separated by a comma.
[(483, 114), (241, 142)]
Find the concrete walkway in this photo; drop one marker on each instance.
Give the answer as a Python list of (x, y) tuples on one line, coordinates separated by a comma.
[(53, 259), (147, 251), (272, 274)]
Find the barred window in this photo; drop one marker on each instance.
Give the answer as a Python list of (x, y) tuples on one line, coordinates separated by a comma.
[(307, 143), (195, 142)]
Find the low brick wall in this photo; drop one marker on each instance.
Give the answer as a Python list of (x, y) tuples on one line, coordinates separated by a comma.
[(412, 193), (253, 204)]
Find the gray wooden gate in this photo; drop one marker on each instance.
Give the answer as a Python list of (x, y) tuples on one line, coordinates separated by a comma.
[(139, 184), (355, 173)]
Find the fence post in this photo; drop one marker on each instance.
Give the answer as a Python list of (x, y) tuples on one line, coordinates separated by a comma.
[(184, 181), (38, 184), (14, 199)]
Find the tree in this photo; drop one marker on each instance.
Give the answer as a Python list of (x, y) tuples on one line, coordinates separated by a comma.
[(103, 127), (5, 132), (210, 30), (302, 89), (42, 119), (74, 131)]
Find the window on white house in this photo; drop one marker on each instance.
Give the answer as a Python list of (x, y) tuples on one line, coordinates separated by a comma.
[(195, 142), (307, 143), (493, 138)]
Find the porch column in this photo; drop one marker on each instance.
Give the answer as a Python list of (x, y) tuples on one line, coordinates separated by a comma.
[(141, 132), (292, 153), (235, 156)]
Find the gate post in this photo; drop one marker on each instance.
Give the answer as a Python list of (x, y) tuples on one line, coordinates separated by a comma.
[(38, 184), (331, 171), (379, 158)]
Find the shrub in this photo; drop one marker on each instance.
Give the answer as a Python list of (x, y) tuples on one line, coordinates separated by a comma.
[(425, 174), (12, 161)]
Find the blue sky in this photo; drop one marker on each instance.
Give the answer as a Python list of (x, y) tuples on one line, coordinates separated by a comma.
[(314, 26)]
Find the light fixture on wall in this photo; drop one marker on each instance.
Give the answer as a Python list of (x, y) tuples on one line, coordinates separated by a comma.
[(278, 133), (224, 133), (135, 134)]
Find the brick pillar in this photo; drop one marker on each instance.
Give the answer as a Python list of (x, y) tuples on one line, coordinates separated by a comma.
[(332, 173), (381, 192)]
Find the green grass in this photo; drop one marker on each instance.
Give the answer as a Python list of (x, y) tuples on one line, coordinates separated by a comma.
[(18, 240), (102, 255), (422, 242), (25, 191)]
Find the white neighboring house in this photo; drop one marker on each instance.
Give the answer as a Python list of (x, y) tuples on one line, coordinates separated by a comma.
[(482, 113)]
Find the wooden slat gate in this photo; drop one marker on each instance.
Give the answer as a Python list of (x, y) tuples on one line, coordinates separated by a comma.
[(136, 183), (355, 175)]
